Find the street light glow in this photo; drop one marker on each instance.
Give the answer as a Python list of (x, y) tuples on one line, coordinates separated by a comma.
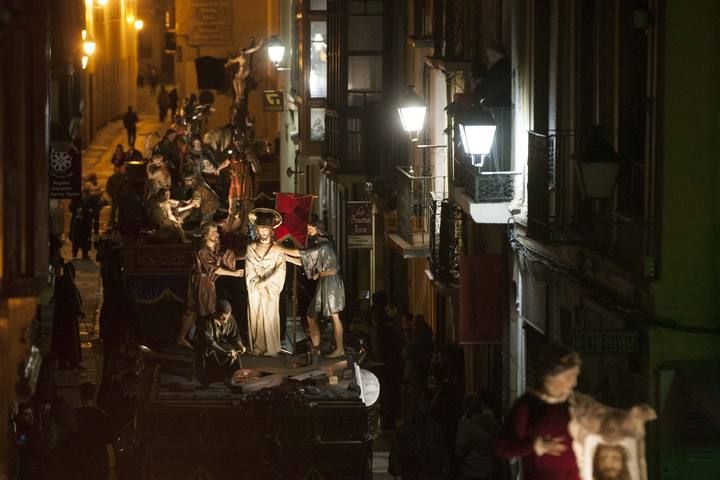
[(89, 46), (139, 24), (84, 61), (102, 3), (130, 18), (276, 51), (412, 113)]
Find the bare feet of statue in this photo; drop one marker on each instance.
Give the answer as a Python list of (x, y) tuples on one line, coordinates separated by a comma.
[(184, 343), (338, 352)]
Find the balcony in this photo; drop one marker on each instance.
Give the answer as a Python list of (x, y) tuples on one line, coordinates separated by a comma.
[(485, 192), (559, 215), (418, 196)]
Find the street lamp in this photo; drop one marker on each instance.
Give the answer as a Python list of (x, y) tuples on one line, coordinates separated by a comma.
[(139, 24), (412, 113), (276, 50), (88, 45), (102, 3), (597, 165), (477, 132)]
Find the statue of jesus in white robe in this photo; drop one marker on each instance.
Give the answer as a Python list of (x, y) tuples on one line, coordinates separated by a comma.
[(265, 277)]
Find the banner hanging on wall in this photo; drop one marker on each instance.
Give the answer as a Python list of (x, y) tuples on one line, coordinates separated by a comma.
[(65, 170)]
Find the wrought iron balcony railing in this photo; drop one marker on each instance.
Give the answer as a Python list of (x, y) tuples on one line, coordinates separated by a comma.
[(557, 213), (415, 198)]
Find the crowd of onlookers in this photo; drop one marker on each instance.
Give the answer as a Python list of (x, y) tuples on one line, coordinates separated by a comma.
[(440, 432), (53, 439)]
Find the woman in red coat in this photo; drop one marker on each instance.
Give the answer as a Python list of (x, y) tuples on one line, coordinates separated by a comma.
[(536, 429)]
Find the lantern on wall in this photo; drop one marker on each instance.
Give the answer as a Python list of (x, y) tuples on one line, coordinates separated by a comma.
[(412, 113), (597, 165)]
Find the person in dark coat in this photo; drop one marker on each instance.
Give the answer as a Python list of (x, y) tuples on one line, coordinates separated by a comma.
[(130, 121), (163, 102), (81, 224), (95, 433), (494, 90), (173, 98), (66, 317), (419, 453), (474, 442)]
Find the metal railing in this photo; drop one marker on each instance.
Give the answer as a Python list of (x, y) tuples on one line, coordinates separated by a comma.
[(557, 213), (416, 195)]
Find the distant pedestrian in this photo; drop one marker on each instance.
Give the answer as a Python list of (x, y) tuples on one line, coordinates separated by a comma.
[(153, 80), (130, 121), (173, 97), (163, 101)]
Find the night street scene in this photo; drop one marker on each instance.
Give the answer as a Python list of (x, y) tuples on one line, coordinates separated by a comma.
[(360, 239)]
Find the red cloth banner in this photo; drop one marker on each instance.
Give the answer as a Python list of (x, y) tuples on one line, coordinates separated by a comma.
[(295, 211), (482, 298)]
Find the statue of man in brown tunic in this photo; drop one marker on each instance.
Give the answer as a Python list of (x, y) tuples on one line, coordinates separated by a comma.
[(209, 265)]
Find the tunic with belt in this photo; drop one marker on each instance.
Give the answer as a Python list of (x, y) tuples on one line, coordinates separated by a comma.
[(330, 292)]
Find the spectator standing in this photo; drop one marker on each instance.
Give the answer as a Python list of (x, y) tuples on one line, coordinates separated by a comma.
[(114, 187), (119, 156), (419, 452), (66, 318), (475, 440), (130, 121), (173, 98), (95, 433), (163, 102), (417, 356)]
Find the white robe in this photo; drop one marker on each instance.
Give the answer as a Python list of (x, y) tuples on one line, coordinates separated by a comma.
[(265, 277)]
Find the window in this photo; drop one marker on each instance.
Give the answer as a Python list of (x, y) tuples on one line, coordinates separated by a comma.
[(318, 4), (317, 124), (318, 60), (365, 67), (366, 33), (365, 73)]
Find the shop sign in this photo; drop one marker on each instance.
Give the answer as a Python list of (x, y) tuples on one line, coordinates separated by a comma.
[(65, 170), (359, 224), (273, 101), (606, 341)]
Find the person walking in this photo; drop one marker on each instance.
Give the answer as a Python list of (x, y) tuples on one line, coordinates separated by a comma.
[(130, 121), (163, 102), (153, 80)]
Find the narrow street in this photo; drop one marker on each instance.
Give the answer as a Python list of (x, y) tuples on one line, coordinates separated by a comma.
[(96, 159)]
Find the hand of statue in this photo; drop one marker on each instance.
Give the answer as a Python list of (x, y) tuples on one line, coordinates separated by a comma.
[(549, 446), (316, 276), (239, 273)]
